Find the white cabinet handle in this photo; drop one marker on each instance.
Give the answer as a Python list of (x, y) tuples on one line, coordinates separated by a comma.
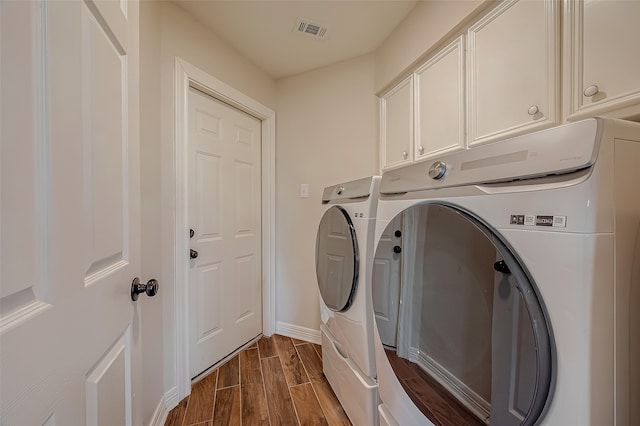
[(421, 150), (533, 110), (591, 91), (405, 155)]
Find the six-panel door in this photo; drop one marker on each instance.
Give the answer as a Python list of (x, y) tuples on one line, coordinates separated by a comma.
[(70, 213)]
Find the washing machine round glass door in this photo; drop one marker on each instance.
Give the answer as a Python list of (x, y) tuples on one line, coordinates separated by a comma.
[(337, 260), (460, 317)]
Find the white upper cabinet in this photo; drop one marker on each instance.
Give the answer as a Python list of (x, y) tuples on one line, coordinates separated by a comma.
[(502, 77), (396, 125), (440, 99), (513, 62), (602, 58)]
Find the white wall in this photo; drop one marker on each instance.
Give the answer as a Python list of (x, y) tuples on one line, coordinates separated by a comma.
[(150, 193), (185, 37), (427, 24), (168, 31), (326, 134)]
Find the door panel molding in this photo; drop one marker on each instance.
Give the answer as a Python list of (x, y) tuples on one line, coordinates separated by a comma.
[(26, 289), (186, 76), (112, 371)]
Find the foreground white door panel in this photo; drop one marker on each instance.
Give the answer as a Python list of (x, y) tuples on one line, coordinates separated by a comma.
[(70, 216), (224, 212)]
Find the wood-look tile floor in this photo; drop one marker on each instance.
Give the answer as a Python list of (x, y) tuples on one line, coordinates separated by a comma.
[(289, 370), (431, 398)]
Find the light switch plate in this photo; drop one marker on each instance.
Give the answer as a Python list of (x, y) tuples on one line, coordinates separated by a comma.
[(304, 190)]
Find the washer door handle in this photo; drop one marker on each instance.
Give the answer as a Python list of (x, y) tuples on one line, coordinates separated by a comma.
[(502, 267)]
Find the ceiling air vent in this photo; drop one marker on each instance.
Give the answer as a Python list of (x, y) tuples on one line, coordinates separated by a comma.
[(306, 27)]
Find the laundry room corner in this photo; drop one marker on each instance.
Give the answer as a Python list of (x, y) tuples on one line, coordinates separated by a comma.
[(326, 133)]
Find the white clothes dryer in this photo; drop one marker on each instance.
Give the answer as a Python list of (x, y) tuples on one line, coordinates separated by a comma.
[(516, 298), (344, 250)]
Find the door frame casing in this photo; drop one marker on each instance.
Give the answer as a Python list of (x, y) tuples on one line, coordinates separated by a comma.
[(187, 75)]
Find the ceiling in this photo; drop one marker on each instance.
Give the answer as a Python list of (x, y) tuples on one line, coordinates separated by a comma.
[(266, 31)]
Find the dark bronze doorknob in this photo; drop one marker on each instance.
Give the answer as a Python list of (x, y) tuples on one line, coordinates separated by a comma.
[(150, 288), (193, 254), (397, 249)]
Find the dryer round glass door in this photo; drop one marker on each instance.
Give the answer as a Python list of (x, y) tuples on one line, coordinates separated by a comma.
[(337, 262), (458, 308)]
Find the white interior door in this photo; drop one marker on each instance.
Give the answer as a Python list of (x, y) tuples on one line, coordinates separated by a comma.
[(69, 203), (386, 283), (225, 288)]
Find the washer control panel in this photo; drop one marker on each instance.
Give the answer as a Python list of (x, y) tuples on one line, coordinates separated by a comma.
[(559, 150)]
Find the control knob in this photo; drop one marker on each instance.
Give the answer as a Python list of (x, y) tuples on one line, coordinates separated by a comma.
[(437, 170)]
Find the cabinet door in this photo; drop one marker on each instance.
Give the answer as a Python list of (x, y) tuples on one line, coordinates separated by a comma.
[(513, 70), (439, 86), (396, 125), (603, 42)]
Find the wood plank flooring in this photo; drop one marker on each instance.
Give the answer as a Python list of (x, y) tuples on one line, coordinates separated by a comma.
[(431, 398), (290, 370)]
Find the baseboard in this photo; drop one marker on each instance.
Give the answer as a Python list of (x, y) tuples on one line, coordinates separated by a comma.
[(167, 403), (297, 332), (160, 415), (467, 396), (171, 400)]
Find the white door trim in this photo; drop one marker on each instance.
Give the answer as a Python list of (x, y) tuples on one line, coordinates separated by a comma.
[(187, 75)]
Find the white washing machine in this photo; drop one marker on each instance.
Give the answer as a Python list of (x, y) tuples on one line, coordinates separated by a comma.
[(506, 282), (344, 250)]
